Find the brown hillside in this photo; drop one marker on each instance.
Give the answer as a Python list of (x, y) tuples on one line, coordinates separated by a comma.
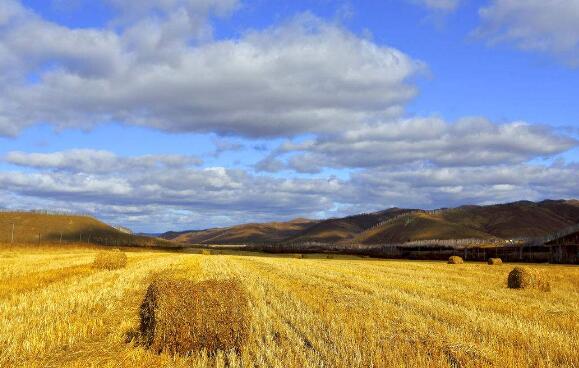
[(298, 230), (418, 226), (272, 232), (518, 219), (511, 220), (344, 229), (34, 227)]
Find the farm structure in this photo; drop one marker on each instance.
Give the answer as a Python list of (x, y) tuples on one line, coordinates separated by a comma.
[(565, 248)]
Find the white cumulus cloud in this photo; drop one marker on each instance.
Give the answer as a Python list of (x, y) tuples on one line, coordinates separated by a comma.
[(97, 161), (467, 142), (536, 25), (304, 76)]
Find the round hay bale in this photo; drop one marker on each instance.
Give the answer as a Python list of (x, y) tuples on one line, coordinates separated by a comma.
[(525, 278), (206, 252), (182, 316), (112, 260), (455, 260), (495, 261)]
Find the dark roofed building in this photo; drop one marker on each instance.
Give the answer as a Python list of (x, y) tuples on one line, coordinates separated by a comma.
[(564, 249)]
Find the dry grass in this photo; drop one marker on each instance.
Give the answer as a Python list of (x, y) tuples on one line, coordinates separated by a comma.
[(38, 279), (455, 260), (206, 252), (181, 316), (525, 278), (110, 260), (495, 261), (345, 312)]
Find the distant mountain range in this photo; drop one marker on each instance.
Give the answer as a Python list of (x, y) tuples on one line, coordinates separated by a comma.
[(395, 225), (522, 219)]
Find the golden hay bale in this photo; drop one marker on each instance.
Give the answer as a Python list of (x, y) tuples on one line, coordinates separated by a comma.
[(455, 260), (110, 260), (524, 278), (495, 261), (181, 316), (206, 252)]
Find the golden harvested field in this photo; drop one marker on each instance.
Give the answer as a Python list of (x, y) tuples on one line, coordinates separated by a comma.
[(57, 311)]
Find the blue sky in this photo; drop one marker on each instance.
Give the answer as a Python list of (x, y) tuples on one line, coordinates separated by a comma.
[(183, 114)]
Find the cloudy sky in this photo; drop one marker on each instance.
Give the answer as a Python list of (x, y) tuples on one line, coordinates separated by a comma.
[(184, 114)]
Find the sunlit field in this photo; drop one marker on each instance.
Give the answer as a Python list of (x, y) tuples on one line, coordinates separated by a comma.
[(56, 310)]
